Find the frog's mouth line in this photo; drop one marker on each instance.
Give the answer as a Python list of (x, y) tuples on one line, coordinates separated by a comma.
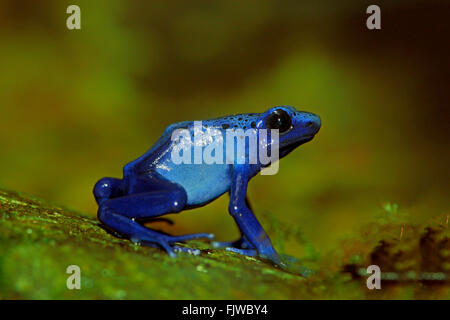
[(290, 147)]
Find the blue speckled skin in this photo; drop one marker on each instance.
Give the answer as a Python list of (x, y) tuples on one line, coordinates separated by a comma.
[(153, 185)]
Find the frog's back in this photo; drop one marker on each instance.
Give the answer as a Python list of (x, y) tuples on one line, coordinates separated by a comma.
[(202, 182)]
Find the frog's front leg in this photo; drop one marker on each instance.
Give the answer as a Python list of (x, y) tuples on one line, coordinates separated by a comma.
[(150, 196), (241, 243), (249, 226)]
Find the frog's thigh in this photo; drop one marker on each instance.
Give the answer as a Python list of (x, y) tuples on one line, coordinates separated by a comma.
[(118, 214), (151, 197), (107, 188)]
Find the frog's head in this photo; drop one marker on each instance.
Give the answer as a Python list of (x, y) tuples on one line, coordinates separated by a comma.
[(295, 127)]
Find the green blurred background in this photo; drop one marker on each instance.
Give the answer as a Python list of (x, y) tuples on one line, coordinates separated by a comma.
[(76, 106)]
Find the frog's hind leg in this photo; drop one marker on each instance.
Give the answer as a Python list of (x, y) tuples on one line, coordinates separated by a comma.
[(107, 188), (154, 197)]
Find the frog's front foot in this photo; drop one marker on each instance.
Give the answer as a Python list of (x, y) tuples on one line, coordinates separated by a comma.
[(285, 262), (241, 243), (271, 255), (247, 249)]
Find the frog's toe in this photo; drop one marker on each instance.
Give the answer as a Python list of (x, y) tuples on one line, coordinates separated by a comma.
[(192, 251), (238, 244), (166, 242), (170, 250), (187, 237), (245, 252), (222, 244), (272, 257)]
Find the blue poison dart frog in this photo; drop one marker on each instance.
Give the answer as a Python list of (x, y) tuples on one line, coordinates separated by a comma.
[(154, 185)]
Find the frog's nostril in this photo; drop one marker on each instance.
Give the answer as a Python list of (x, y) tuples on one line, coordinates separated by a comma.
[(310, 124)]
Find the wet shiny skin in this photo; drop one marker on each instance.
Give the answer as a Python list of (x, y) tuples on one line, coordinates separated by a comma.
[(153, 185)]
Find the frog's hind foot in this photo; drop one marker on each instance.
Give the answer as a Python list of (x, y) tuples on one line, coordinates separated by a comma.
[(172, 249), (167, 242), (187, 237), (153, 198)]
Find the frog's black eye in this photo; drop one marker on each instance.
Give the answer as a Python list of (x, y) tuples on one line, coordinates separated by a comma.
[(279, 119)]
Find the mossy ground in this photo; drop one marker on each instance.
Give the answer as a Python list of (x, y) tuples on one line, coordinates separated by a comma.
[(39, 240)]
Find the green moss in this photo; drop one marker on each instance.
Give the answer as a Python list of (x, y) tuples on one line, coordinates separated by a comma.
[(39, 240)]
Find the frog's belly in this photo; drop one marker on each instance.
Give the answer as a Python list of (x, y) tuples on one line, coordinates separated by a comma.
[(202, 183)]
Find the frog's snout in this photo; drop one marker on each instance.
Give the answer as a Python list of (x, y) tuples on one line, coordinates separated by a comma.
[(313, 123)]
